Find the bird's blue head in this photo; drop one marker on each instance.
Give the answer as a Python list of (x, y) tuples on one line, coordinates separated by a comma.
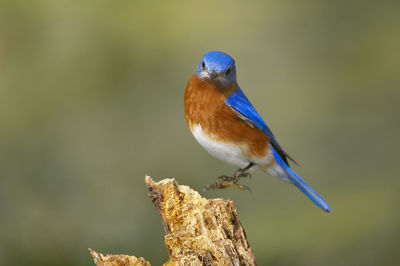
[(217, 66)]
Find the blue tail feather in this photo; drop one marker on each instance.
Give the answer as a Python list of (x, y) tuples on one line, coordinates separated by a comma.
[(301, 184)]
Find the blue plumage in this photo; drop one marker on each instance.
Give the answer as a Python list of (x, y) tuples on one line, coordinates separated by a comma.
[(301, 184), (239, 102), (218, 61), (217, 65)]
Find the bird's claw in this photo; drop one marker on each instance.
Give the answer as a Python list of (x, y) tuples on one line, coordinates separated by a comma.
[(221, 185), (227, 178), (230, 181), (235, 177)]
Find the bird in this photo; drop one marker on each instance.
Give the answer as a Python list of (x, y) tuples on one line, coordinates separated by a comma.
[(226, 124)]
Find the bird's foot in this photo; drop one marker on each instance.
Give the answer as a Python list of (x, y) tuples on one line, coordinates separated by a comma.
[(220, 185), (230, 181)]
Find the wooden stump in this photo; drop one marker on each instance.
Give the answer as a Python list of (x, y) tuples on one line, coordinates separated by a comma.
[(199, 231), (117, 260)]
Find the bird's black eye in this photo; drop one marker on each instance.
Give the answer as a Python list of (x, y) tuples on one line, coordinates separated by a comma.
[(228, 71), (203, 65)]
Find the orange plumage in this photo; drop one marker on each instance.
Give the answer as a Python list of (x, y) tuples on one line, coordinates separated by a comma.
[(205, 106)]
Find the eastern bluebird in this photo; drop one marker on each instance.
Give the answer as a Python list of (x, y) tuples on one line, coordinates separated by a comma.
[(226, 124)]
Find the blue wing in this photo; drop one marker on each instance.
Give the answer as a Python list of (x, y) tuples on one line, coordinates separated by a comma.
[(239, 102)]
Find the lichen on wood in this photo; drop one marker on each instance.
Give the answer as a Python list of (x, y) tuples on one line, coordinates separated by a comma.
[(199, 231)]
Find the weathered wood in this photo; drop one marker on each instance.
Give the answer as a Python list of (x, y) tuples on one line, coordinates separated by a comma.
[(117, 260), (199, 231)]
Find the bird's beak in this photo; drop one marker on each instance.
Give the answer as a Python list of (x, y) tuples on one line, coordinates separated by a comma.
[(212, 74)]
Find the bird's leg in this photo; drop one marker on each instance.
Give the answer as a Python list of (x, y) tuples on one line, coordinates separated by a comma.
[(241, 172), (231, 181)]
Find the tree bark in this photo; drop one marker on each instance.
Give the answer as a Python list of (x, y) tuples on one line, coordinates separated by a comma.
[(117, 260), (199, 231)]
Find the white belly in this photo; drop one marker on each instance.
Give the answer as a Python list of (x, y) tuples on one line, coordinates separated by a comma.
[(225, 151)]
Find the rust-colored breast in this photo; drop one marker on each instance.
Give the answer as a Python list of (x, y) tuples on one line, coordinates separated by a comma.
[(205, 105)]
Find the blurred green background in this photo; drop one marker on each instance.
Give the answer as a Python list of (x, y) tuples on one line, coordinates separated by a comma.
[(91, 100)]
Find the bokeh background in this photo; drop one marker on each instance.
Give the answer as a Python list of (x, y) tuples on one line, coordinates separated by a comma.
[(91, 100)]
